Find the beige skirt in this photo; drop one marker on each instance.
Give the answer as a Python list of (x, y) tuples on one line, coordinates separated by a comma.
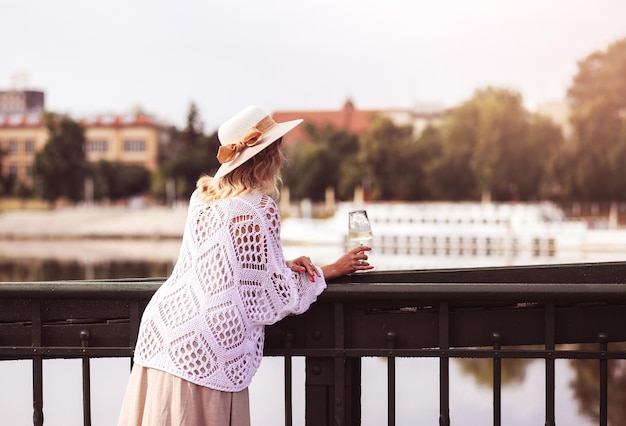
[(155, 398)]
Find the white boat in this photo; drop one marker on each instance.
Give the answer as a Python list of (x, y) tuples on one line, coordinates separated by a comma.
[(508, 230)]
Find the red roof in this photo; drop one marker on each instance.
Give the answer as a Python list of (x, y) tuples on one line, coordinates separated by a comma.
[(117, 120), (348, 118), (21, 120)]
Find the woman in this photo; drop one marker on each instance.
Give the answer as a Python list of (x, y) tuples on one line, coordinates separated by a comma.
[(201, 336)]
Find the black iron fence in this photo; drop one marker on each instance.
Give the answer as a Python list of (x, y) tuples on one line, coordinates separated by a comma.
[(538, 312)]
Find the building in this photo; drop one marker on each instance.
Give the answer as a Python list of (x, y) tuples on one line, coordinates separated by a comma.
[(21, 136), (353, 120), (19, 101), (134, 138)]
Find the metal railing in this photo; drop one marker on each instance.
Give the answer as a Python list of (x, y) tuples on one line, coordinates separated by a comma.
[(535, 312)]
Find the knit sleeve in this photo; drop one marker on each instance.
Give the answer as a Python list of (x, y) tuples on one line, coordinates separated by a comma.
[(277, 291)]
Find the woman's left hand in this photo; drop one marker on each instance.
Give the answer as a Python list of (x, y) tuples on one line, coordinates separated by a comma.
[(304, 264)]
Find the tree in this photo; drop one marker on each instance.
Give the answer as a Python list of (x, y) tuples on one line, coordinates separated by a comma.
[(61, 165), (3, 183), (448, 174), (389, 161), (327, 160), (490, 145), (195, 155), (598, 100), (536, 165), (116, 181), (192, 136)]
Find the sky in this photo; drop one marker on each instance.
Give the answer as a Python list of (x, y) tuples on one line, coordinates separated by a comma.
[(102, 57)]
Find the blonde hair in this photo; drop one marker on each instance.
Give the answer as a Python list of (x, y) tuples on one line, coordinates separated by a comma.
[(260, 173)]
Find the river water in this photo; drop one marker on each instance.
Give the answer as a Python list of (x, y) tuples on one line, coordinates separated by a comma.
[(417, 379)]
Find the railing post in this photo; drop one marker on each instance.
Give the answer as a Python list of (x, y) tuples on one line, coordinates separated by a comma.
[(347, 373), (318, 373), (333, 381), (320, 329), (340, 401)]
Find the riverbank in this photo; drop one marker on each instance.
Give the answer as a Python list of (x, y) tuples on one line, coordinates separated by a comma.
[(93, 234), (71, 223), (105, 233)]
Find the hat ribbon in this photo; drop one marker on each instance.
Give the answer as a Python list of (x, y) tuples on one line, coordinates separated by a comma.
[(227, 153)]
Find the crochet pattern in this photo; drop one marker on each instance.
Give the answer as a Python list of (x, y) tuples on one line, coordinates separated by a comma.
[(206, 322)]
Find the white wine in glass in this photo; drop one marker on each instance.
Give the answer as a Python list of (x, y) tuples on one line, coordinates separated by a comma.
[(359, 228)]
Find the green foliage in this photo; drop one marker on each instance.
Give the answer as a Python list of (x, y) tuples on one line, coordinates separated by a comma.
[(115, 181), (186, 168), (192, 136), (448, 172), (60, 167), (3, 184), (536, 165), (489, 144), (22, 190), (598, 99), (194, 156), (328, 160), (492, 145), (390, 163)]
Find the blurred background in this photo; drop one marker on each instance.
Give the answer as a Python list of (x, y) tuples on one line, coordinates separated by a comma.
[(481, 133)]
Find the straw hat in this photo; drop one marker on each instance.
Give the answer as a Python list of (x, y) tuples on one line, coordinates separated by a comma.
[(247, 134)]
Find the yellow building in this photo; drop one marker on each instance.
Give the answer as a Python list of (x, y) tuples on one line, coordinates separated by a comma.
[(21, 136), (134, 138)]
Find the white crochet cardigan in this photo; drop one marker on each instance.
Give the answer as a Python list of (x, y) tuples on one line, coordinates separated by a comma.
[(206, 322)]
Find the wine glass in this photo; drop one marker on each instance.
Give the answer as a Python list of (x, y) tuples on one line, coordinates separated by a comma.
[(359, 228)]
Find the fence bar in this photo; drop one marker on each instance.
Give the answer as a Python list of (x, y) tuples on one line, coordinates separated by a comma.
[(444, 366), (391, 391), (37, 363), (288, 382), (497, 380), (391, 381), (603, 339), (550, 379), (84, 337)]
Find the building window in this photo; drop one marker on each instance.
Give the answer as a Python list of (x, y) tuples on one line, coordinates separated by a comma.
[(13, 169), (97, 146), (133, 145), (12, 146), (29, 146)]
